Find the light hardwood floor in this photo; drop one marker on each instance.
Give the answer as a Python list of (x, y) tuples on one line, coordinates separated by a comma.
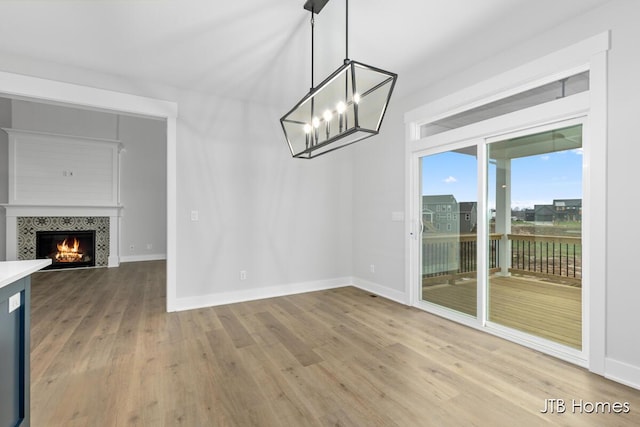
[(104, 353)]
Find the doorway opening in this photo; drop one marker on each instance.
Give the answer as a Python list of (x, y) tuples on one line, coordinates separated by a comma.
[(52, 92)]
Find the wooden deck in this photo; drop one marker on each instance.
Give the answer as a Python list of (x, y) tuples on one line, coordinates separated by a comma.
[(547, 310)]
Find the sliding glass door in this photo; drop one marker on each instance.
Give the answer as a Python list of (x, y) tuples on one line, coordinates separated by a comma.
[(500, 241), (535, 204), (449, 229)]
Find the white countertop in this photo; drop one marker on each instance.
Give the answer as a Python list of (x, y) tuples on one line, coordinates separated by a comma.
[(10, 271)]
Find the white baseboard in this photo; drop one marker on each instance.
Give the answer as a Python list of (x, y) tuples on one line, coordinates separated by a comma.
[(211, 300), (622, 372), (138, 258), (383, 291)]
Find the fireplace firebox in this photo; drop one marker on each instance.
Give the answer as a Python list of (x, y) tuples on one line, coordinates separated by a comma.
[(67, 249)]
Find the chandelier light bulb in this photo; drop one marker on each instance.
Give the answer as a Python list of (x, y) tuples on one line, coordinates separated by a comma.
[(328, 115), (315, 122), (341, 108), (307, 134)]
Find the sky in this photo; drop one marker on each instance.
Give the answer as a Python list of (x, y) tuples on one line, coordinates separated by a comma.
[(534, 180)]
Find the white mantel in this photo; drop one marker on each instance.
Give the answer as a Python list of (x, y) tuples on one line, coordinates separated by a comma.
[(16, 210)]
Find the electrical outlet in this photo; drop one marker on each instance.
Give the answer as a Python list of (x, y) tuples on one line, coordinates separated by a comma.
[(243, 274), (372, 268), (195, 215), (149, 246), (131, 247), (14, 302)]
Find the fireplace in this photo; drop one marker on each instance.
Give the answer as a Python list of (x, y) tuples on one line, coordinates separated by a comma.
[(67, 249)]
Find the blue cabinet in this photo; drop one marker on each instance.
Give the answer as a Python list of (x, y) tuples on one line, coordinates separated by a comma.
[(15, 346), (14, 353)]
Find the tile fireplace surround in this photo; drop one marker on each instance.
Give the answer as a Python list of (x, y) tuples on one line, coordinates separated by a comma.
[(22, 223), (28, 226)]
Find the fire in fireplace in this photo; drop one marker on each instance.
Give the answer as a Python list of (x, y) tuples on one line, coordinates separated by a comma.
[(67, 253), (66, 249)]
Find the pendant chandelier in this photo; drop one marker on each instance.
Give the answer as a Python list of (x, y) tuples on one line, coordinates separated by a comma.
[(346, 107)]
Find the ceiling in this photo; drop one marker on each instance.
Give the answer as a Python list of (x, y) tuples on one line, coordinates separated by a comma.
[(260, 49)]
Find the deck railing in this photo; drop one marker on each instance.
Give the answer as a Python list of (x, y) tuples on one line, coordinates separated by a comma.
[(452, 257), (556, 256), (448, 258)]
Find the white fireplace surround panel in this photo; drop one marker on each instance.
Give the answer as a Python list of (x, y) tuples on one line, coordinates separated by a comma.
[(54, 169), (53, 175)]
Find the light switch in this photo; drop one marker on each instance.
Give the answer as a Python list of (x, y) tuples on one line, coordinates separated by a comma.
[(194, 215), (14, 302)]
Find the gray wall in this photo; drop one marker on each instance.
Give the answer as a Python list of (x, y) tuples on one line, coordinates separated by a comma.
[(143, 167), (63, 120), (5, 121), (143, 189), (379, 180)]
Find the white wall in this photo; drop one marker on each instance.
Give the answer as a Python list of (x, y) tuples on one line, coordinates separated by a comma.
[(378, 181), (143, 167), (5, 121), (286, 222), (379, 176)]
